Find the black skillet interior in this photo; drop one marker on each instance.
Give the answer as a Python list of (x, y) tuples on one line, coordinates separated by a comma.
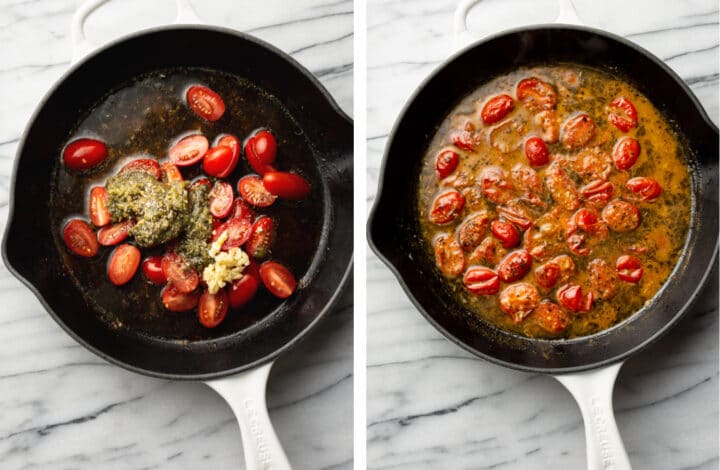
[(393, 231), (31, 254)]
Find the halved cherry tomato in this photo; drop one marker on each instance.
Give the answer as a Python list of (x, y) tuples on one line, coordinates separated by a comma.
[(481, 281), (516, 215), (231, 142), (241, 210), (547, 275), (261, 237), (80, 239), (495, 184), (152, 267), (83, 154), (221, 199), (571, 297), (536, 151), (446, 162), (536, 95), (497, 108), (644, 186), (506, 232), (213, 308), (189, 150), (466, 138), (205, 103), (265, 146), (577, 131), (179, 273), (170, 173), (177, 301), (123, 264), (243, 290), (113, 234), (217, 160), (252, 189), (278, 279), (626, 153), (447, 207), (598, 192), (622, 113), (550, 317), (238, 231), (629, 268), (99, 214), (286, 185), (449, 257), (199, 181), (514, 266), (147, 165)]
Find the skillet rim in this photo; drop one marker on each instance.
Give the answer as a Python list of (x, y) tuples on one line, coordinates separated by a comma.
[(660, 332), (324, 311)]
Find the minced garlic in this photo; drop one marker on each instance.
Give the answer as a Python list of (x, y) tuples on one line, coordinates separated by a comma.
[(227, 266)]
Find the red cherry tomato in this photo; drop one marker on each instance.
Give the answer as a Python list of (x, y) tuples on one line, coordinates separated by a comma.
[(278, 279), (536, 151), (113, 234), (80, 239), (497, 108), (629, 268), (252, 189), (577, 131), (481, 281), (447, 207), (213, 308), (644, 186), (221, 199), (514, 266), (170, 173), (177, 301), (446, 163), (205, 103), (536, 95), (238, 231), (622, 113), (547, 275), (286, 185), (506, 232), (189, 150), (147, 165), (571, 297), (83, 154), (241, 210), (152, 267), (231, 142), (265, 146), (198, 182), (243, 290), (179, 273), (261, 237), (123, 264), (217, 160), (99, 214), (626, 153)]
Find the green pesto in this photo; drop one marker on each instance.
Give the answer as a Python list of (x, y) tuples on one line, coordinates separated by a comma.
[(198, 228)]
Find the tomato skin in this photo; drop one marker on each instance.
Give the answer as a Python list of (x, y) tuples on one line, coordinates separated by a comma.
[(598, 193), (629, 268), (446, 162), (448, 255), (242, 291), (514, 266), (83, 154), (221, 199), (217, 160), (147, 165), (253, 191), (123, 264), (497, 108), (547, 275), (506, 232), (261, 238), (571, 297), (481, 281), (536, 151), (626, 153), (179, 273), (170, 173), (99, 214), (277, 279), (152, 267), (213, 308), (286, 185), (645, 187), (447, 207), (265, 146), (622, 113), (536, 95), (113, 234), (80, 239), (238, 232), (241, 210), (577, 131), (205, 103), (177, 301), (189, 150), (231, 142)]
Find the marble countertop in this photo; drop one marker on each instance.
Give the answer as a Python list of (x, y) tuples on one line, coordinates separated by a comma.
[(62, 407), (432, 405)]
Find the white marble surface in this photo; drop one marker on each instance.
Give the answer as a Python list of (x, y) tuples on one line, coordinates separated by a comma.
[(430, 404), (61, 407)]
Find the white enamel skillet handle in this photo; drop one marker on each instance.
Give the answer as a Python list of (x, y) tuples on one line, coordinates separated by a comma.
[(244, 392), (592, 389)]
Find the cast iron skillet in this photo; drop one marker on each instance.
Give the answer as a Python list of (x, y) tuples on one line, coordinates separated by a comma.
[(393, 229), (31, 255)]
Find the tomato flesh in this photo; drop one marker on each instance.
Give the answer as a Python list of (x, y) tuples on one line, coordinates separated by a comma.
[(629, 268), (205, 103), (189, 150), (80, 238), (221, 199), (177, 301), (286, 185), (213, 308), (261, 237), (536, 95), (99, 214), (277, 279), (113, 234), (253, 191), (243, 290), (170, 173), (238, 232), (83, 154), (152, 267), (179, 273), (241, 210), (123, 264), (645, 187), (147, 165), (572, 297)]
